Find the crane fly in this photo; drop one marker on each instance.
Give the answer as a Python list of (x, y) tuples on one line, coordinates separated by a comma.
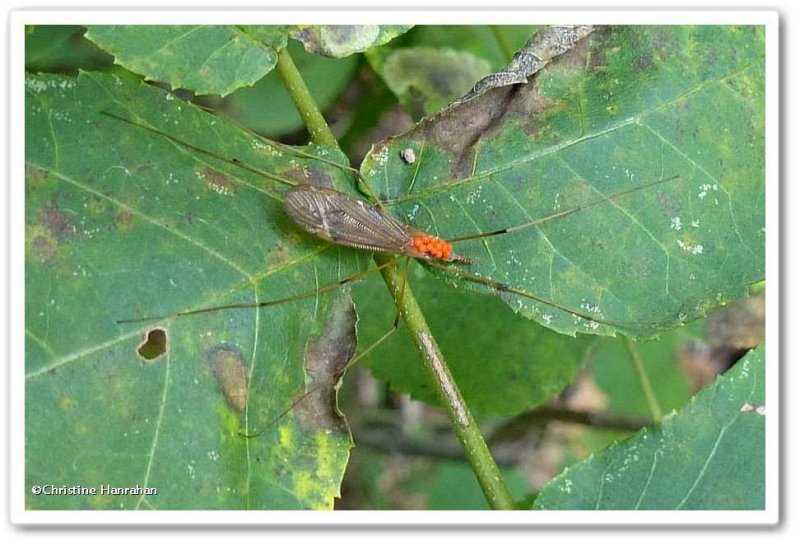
[(339, 218), (345, 220)]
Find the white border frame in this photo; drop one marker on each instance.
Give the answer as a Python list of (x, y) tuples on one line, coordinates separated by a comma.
[(18, 513)]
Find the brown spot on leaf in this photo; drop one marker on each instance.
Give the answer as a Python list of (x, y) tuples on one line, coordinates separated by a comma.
[(95, 206), (41, 244), (123, 220), (66, 403), (309, 176), (229, 368), (643, 62), (326, 359), (35, 176), (55, 220), (154, 344), (460, 131), (279, 255), (459, 128), (218, 182)]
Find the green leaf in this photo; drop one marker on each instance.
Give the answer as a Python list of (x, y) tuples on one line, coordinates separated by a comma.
[(483, 341), (710, 455), (325, 77), (425, 79), (123, 222), (454, 487), (434, 65), (628, 107), (204, 59), (344, 40), (614, 372), (495, 43), (56, 48)]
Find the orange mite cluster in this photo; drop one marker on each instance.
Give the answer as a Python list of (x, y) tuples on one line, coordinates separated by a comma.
[(432, 246)]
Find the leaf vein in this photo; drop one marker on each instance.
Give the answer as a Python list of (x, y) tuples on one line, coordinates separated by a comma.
[(156, 433)]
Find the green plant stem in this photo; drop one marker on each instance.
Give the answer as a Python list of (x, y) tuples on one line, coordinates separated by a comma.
[(503, 41), (467, 431), (647, 388), (315, 123)]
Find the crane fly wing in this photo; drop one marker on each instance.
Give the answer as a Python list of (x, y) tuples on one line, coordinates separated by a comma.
[(345, 220)]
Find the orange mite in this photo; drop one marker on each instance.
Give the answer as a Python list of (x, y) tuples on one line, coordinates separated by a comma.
[(432, 247)]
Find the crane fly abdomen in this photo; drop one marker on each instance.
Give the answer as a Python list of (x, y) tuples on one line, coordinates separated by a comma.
[(345, 220)]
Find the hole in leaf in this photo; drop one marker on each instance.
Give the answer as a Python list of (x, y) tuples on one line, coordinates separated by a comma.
[(154, 345)]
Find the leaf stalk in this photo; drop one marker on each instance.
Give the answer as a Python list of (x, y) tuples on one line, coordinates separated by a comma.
[(467, 431), (318, 128), (644, 380)]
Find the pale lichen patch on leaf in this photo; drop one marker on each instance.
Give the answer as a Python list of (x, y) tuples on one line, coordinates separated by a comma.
[(692, 248), (408, 156), (381, 155), (705, 188), (337, 40), (267, 150), (40, 85), (760, 410)]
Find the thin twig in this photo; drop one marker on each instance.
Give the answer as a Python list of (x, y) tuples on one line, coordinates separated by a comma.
[(541, 416)]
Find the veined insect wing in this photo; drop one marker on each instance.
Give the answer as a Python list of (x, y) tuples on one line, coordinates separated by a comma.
[(347, 221)]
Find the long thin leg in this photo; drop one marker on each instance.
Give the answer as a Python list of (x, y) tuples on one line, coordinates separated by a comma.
[(563, 213), (352, 278), (209, 153), (505, 288), (395, 324)]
